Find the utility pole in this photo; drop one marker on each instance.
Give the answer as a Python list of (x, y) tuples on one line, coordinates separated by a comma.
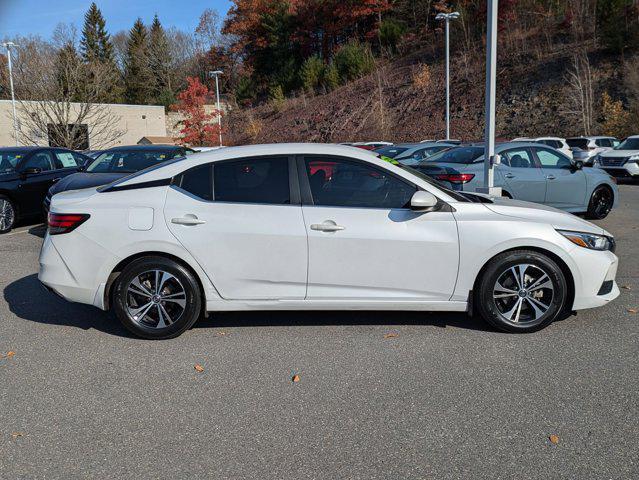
[(216, 74), (490, 159), (447, 17), (9, 46)]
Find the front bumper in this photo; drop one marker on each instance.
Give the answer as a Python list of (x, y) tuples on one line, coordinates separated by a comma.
[(628, 170), (595, 283)]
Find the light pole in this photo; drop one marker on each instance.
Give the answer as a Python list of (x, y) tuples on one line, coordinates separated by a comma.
[(216, 74), (9, 46), (447, 17), (490, 159)]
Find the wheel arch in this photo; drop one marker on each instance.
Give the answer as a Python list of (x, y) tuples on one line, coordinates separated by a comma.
[(568, 275), (115, 273)]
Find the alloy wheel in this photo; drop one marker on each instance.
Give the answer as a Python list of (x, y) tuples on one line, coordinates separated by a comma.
[(155, 299), (602, 202), (7, 214), (523, 294)]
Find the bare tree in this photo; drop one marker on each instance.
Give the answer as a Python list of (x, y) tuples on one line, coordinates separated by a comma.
[(58, 104), (580, 79)]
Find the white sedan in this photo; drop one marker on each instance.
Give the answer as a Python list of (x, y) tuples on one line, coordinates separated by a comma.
[(315, 227)]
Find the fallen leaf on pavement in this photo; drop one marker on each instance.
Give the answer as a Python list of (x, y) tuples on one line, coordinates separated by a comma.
[(626, 287), (633, 310), (10, 354), (198, 368), (296, 378), (554, 439), (391, 335), (220, 334), (16, 434)]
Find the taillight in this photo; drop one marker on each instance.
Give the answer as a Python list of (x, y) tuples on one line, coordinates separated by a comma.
[(65, 222), (456, 177)]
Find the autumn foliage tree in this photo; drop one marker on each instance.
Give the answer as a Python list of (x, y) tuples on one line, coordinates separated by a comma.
[(198, 127)]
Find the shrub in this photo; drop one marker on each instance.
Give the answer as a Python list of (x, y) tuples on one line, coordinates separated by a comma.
[(276, 97), (331, 77), (616, 119), (422, 77), (390, 32), (353, 60), (312, 73), (245, 90)]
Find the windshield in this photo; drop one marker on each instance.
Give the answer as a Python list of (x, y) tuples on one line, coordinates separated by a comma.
[(9, 159), (123, 161), (390, 152), (628, 144), (457, 155)]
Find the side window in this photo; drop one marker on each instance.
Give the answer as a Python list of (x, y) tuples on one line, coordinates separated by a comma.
[(601, 142), (41, 160), (80, 159), (65, 159), (197, 181), (347, 183), (550, 159), (555, 144), (252, 180), (615, 142), (519, 158)]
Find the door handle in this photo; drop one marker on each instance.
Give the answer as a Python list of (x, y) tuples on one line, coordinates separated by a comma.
[(509, 175), (327, 226), (187, 220), (550, 177)]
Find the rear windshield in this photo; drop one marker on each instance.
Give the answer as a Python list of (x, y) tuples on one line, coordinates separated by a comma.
[(457, 155), (123, 161), (578, 143), (390, 152), (9, 159), (628, 144)]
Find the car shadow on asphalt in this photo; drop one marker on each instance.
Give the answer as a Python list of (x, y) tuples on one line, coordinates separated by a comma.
[(29, 300)]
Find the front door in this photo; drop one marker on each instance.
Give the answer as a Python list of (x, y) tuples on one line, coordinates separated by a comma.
[(243, 224), (566, 186), (38, 175), (365, 243), (522, 177)]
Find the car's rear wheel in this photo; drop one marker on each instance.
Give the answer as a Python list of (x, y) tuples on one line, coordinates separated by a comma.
[(157, 298), (7, 214), (521, 291), (600, 204)]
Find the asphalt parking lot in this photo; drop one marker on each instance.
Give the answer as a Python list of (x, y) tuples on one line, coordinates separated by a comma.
[(440, 397)]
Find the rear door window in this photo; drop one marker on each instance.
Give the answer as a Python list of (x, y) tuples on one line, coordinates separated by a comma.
[(519, 158), (252, 180), (41, 160), (198, 181)]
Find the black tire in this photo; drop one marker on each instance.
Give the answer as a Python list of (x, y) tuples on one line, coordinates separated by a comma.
[(8, 214), (170, 313), (601, 202), (502, 268)]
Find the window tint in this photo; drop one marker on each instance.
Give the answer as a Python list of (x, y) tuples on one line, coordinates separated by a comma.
[(41, 160), (252, 180), (197, 181), (550, 159), (9, 160), (578, 143), (519, 159), (631, 143), (346, 183), (65, 159), (458, 155), (123, 161), (391, 151)]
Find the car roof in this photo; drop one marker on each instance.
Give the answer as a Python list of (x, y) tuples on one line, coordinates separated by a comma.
[(145, 148), (21, 149)]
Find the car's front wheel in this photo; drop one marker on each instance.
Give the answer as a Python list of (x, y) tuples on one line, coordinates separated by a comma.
[(157, 298), (7, 214), (601, 202), (521, 291)]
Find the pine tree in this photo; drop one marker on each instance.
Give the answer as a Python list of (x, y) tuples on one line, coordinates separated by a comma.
[(138, 77), (160, 64), (96, 42), (67, 71)]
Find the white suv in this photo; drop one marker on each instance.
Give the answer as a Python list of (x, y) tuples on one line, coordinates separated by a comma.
[(585, 148), (555, 142), (623, 160)]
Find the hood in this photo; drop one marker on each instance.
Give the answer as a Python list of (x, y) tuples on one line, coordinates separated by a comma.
[(77, 181), (542, 214), (619, 153)]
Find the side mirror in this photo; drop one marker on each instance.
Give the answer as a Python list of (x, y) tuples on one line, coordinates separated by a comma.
[(422, 201), (497, 159), (578, 165), (31, 171)]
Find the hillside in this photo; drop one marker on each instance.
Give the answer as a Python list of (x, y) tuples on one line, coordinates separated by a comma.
[(534, 98)]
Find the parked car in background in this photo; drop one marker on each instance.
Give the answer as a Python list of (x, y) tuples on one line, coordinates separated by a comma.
[(554, 142), (410, 153), (370, 145), (92, 153), (252, 228), (26, 174), (585, 148), (116, 163), (528, 171), (622, 161)]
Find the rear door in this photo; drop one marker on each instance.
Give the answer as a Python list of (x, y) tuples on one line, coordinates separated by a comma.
[(35, 185), (523, 179), (242, 221), (566, 187), (365, 242)]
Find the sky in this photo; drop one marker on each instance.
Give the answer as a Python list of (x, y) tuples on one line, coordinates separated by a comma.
[(40, 17)]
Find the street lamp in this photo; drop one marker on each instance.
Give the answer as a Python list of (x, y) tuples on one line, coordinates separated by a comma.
[(216, 74), (9, 46), (447, 17)]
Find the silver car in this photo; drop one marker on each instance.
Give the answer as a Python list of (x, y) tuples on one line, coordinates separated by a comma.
[(528, 171)]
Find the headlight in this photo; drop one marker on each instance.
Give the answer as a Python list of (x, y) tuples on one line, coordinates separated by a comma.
[(634, 158), (590, 240), (595, 160)]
